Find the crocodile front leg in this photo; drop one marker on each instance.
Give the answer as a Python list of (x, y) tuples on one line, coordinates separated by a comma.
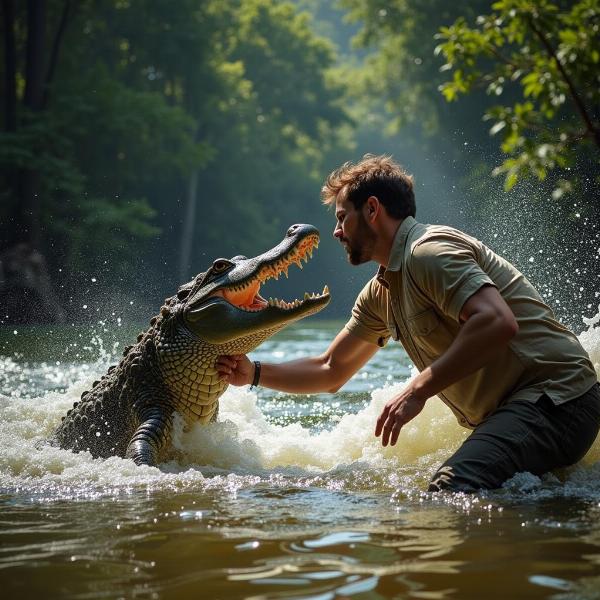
[(152, 435)]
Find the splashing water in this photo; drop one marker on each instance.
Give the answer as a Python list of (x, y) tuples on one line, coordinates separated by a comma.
[(245, 441)]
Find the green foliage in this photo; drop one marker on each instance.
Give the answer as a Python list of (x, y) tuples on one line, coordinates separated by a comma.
[(549, 54), (403, 72), (147, 93), (117, 227), (130, 127), (41, 144)]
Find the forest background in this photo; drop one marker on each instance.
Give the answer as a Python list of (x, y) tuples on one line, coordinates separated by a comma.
[(143, 139)]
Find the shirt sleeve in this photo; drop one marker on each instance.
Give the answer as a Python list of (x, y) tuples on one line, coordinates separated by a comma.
[(366, 321), (448, 272)]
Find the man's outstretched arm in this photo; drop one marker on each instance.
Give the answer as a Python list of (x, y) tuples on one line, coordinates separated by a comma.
[(324, 373)]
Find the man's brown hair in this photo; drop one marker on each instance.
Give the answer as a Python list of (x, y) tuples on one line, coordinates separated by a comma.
[(377, 176)]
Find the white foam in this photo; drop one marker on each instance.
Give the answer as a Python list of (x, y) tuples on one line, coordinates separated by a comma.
[(242, 442), (590, 340), (244, 437)]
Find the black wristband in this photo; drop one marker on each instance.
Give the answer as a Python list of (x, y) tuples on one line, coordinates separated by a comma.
[(256, 374)]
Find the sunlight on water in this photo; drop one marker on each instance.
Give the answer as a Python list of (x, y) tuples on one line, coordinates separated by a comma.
[(275, 504)]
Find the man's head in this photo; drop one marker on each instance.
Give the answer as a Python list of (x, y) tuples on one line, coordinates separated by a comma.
[(377, 176), (370, 198)]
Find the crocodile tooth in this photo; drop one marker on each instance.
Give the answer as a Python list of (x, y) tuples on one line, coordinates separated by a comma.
[(306, 295), (325, 289)]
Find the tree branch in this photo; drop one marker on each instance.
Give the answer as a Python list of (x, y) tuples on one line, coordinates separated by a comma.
[(502, 58), (594, 131)]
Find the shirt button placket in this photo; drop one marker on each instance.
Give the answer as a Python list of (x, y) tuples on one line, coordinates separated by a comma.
[(398, 319), (405, 336)]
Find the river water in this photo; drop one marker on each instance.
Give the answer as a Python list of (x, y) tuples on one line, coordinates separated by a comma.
[(285, 497)]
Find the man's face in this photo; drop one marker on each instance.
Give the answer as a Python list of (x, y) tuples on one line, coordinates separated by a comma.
[(353, 231)]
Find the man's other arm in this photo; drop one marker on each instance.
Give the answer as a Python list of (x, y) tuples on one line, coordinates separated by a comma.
[(488, 326), (324, 373)]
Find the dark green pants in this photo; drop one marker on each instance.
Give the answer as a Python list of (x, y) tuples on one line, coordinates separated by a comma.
[(522, 436)]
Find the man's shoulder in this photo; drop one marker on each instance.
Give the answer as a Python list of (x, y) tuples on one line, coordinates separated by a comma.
[(424, 232), (432, 240)]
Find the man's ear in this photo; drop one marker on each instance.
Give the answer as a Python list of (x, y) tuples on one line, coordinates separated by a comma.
[(372, 208)]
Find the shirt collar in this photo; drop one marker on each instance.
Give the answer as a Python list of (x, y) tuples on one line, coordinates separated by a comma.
[(397, 250)]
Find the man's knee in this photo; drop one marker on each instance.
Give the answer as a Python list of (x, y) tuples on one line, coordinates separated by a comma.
[(446, 479)]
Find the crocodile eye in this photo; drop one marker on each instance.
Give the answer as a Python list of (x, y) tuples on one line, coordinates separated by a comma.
[(220, 265)]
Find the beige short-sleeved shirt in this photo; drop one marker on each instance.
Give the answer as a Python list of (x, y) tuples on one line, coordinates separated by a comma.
[(433, 270)]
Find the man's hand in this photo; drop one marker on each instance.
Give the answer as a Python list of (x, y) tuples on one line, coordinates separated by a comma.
[(236, 369), (488, 326), (398, 412)]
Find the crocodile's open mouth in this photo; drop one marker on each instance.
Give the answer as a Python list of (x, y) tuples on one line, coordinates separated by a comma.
[(246, 296)]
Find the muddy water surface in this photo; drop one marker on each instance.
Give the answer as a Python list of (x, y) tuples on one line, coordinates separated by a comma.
[(285, 497)]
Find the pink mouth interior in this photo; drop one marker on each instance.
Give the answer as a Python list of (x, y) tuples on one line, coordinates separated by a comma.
[(246, 298)]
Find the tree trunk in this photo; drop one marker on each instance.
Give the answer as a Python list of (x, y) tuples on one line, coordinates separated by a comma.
[(11, 230), (189, 224), (62, 26), (35, 67), (10, 66), (29, 179), (26, 291)]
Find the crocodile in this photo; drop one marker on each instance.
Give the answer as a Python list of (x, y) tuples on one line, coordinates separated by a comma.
[(171, 368)]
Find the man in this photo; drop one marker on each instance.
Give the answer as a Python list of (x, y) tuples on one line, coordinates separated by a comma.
[(479, 333)]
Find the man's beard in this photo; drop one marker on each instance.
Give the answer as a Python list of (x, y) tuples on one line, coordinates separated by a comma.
[(361, 249)]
